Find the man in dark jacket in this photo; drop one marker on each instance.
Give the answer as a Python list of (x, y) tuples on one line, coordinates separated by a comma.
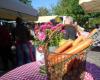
[(23, 46), (70, 29), (5, 47)]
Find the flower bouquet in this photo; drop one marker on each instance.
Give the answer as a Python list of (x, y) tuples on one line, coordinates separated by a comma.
[(45, 31)]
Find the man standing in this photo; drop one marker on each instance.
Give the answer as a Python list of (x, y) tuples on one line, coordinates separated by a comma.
[(70, 29)]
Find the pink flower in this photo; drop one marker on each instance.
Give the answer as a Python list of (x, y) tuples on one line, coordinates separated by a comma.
[(50, 23), (88, 76), (53, 27), (41, 36), (63, 31), (48, 26), (44, 26), (59, 25), (40, 48)]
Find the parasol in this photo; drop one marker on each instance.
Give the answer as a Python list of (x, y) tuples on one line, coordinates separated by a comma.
[(90, 5)]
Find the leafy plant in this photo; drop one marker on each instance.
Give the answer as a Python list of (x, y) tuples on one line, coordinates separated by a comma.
[(45, 32)]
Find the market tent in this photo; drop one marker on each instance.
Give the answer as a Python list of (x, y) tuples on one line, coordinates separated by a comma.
[(90, 5), (10, 9), (42, 19)]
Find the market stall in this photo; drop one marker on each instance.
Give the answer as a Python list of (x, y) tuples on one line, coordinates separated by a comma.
[(10, 9), (90, 5), (43, 19), (56, 66)]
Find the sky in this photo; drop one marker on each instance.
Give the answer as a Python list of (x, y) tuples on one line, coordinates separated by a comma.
[(44, 3)]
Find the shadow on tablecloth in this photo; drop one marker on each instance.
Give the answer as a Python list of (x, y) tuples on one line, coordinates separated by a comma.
[(94, 70)]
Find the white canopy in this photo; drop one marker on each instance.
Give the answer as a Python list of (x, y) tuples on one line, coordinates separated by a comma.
[(10, 9), (90, 5), (42, 19)]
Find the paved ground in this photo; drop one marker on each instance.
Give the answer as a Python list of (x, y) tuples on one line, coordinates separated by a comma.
[(93, 56), (93, 63)]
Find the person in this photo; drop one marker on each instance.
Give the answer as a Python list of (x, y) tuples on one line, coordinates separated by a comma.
[(36, 29), (5, 48), (24, 48), (70, 29)]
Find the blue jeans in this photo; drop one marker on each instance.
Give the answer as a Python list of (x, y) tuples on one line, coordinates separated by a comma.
[(23, 54)]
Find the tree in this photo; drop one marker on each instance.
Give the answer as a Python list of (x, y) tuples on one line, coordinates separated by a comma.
[(43, 11), (72, 8), (28, 2), (69, 8)]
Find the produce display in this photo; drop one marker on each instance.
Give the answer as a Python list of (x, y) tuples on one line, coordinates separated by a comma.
[(69, 52), (64, 46), (70, 48), (68, 57)]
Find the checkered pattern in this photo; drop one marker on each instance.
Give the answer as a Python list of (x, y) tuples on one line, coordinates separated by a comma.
[(29, 71)]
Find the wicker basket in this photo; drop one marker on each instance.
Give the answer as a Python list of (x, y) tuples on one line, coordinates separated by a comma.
[(71, 68)]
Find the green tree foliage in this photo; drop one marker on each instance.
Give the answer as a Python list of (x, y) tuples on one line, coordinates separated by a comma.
[(72, 8), (43, 11), (68, 7), (28, 2)]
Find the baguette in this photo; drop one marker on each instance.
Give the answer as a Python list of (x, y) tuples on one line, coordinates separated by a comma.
[(70, 52), (92, 32), (80, 47), (78, 40), (64, 46)]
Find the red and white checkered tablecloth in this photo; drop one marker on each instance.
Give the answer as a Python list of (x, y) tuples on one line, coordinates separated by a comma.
[(28, 71)]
